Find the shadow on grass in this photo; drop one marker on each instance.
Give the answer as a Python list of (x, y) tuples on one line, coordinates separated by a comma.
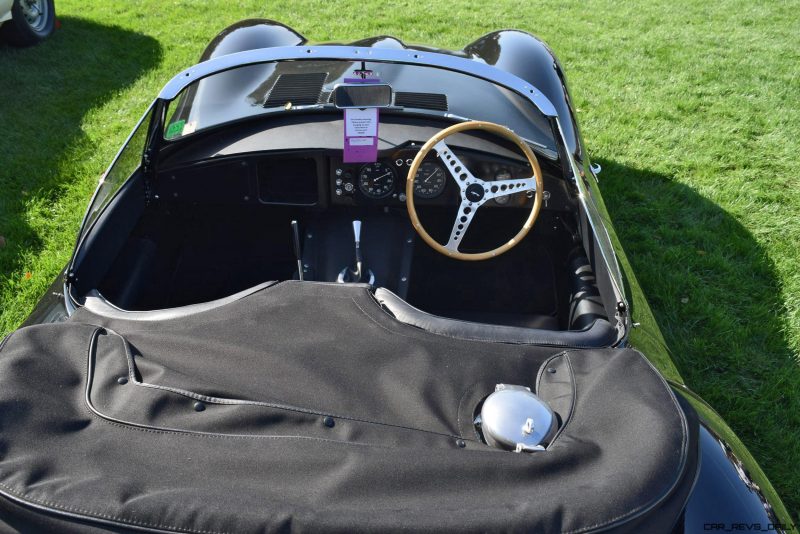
[(717, 298), (45, 93)]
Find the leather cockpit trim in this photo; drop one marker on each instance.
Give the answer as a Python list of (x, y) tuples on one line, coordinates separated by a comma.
[(599, 334), (96, 303)]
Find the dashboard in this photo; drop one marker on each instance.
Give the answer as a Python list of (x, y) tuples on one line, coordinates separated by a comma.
[(319, 178), (303, 166)]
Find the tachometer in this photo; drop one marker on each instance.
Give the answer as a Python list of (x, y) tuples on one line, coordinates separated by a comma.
[(430, 180), (376, 180)]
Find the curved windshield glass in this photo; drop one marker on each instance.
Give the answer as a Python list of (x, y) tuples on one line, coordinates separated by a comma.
[(297, 86), (128, 161)]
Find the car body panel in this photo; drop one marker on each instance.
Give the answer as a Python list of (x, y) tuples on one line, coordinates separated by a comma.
[(732, 493)]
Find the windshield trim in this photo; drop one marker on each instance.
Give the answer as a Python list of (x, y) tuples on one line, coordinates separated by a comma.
[(599, 229), (83, 228), (356, 53)]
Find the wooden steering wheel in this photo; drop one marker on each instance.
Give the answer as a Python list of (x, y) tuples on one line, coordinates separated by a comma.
[(474, 191)]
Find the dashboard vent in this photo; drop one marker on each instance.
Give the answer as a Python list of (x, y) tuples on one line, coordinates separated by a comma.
[(432, 101), (299, 89)]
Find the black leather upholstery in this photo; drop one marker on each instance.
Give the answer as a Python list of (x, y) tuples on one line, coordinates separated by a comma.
[(587, 320), (97, 304), (588, 323), (585, 304), (599, 334), (522, 320)]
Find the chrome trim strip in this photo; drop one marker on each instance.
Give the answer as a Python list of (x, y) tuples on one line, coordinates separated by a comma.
[(595, 221), (357, 53)]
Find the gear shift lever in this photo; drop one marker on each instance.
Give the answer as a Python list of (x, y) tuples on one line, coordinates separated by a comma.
[(355, 276), (359, 263)]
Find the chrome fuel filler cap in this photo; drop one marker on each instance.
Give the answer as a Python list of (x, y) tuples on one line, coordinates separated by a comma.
[(515, 419)]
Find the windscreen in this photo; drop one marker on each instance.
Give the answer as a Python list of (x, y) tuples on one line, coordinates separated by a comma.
[(125, 164), (300, 86)]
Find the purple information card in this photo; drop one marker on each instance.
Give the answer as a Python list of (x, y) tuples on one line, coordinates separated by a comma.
[(361, 131), (360, 135)]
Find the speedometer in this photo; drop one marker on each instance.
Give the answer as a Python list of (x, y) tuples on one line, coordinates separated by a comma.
[(430, 180), (376, 180)]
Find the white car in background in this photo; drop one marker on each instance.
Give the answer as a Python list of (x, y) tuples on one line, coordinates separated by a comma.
[(26, 22)]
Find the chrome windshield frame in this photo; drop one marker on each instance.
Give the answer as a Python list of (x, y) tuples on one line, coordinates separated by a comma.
[(357, 53), (595, 219)]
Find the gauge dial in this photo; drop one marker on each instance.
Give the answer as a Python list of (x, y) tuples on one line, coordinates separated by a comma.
[(376, 180), (430, 180)]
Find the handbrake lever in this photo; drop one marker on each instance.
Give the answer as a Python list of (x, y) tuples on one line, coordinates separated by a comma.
[(298, 253)]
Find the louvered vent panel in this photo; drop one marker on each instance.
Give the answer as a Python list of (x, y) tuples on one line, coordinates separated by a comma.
[(433, 101), (299, 89)]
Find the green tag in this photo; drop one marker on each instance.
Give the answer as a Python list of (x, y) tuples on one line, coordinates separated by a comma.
[(175, 129)]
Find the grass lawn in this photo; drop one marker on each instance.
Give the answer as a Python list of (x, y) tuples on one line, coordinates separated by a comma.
[(692, 109)]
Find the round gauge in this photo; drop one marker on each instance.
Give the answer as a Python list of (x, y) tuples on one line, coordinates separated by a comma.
[(502, 174), (430, 180), (376, 180)]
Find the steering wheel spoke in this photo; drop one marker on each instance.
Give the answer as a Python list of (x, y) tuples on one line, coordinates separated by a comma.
[(501, 188), (462, 176), (466, 211)]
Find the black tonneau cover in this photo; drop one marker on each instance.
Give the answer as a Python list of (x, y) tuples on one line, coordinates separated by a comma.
[(305, 406)]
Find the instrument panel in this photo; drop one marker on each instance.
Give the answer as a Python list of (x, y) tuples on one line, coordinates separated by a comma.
[(384, 181)]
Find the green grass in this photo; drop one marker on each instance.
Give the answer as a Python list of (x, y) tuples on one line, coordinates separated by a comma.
[(691, 107)]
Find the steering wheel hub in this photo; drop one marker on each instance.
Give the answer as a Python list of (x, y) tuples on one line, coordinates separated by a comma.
[(474, 193)]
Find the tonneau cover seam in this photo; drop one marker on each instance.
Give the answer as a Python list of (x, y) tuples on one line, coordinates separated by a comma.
[(238, 402)]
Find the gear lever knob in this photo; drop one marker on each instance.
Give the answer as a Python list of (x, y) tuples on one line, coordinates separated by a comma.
[(357, 231)]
